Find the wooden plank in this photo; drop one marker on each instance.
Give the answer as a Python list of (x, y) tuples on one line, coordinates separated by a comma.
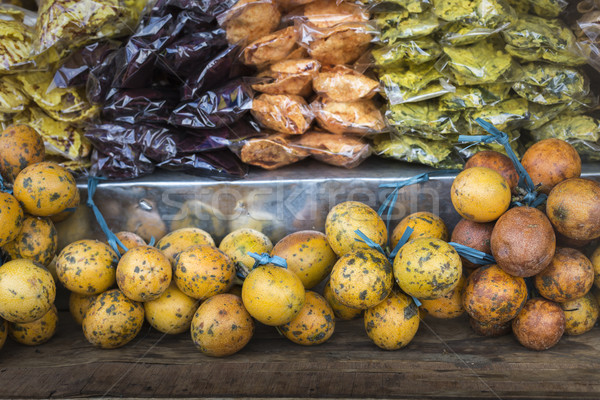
[(445, 360)]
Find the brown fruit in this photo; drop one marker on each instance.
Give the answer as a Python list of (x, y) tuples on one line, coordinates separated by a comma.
[(498, 162), (539, 325), (523, 241), (573, 207), (492, 296), (475, 235), (550, 162), (570, 275), (564, 241), (490, 330), (20, 147), (580, 314)]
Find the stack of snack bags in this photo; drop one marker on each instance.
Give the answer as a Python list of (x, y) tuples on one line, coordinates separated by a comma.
[(313, 98), (44, 62), (445, 63)]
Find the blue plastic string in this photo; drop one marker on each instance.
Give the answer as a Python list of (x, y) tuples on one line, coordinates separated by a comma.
[(475, 256), (265, 258), (365, 239), (3, 187), (152, 241), (532, 198), (113, 240), (407, 232)]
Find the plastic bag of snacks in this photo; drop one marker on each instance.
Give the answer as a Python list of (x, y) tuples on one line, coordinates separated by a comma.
[(484, 13), (16, 36), (435, 153), (12, 99), (423, 118), (344, 84), (415, 51), (474, 97), (548, 8), (153, 105), (74, 71), (328, 13), (361, 117), (401, 25), (68, 24), (289, 77), (278, 150), (283, 113), (551, 84), (461, 34), (506, 115)]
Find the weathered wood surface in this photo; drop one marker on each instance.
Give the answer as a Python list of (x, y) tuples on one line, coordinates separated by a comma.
[(446, 360)]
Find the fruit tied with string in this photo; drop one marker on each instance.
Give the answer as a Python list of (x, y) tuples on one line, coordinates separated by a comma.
[(313, 325), (580, 314), (340, 310), (173, 243), (143, 273), (36, 332), (423, 224), (393, 323), (475, 235), (20, 147), (362, 279), (36, 241), (241, 241), (11, 215), (172, 312), (448, 306), (569, 276), (79, 304), (498, 162), (539, 325)]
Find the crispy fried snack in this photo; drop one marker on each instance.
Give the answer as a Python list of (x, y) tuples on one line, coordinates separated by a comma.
[(271, 152), (293, 77), (327, 13), (15, 39), (271, 48), (251, 19), (282, 113), (338, 150), (342, 44), (360, 117), (341, 83)]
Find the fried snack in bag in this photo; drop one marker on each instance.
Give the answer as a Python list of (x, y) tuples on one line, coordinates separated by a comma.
[(533, 38), (62, 104), (484, 13), (67, 24), (465, 97), (410, 76), (567, 127), (287, 5), (293, 77), (271, 152), (271, 48), (412, 6), (344, 84), (141, 105), (338, 150), (342, 44), (520, 6), (397, 95), (417, 51), (548, 8), (74, 71), (400, 25), (551, 84), (505, 115), (329, 13), (12, 98), (250, 20), (461, 34), (424, 118), (360, 117), (435, 153), (185, 55), (60, 138), (16, 36), (283, 113), (540, 114), (479, 63)]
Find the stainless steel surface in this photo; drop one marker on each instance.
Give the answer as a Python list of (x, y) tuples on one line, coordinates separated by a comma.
[(276, 202)]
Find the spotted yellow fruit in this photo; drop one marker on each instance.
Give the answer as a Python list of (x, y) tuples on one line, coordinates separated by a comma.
[(27, 291), (491, 296), (3, 332), (239, 242), (313, 325), (144, 273), (424, 225), (79, 304), (129, 240), (308, 255), (45, 189), (37, 240), (448, 306), (36, 332), (11, 215), (345, 218), (273, 295), (172, 312), (569, 276), (87, 267), (595, 259), (72, 207), (393, 323), (20, 147), (203, 271), (480, 194), (341, 311), (361, 279), (221, 326), (113, 320), (177, 241), (427, 268), (580, 314)]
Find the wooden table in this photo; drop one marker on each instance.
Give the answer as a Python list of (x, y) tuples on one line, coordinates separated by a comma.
[(446, 360)]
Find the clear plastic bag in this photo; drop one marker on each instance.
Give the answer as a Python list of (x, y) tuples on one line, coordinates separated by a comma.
[(399, 95), (474, 97), (418, 51), (249, 20), (12, 98), (506, 115), (74, 71), (548, 8), (68, 24), (16, 37), (551, 84), (133, 106), (283, 113), (412, 149), (485, 13), (185, 55), (323, 14), (271, 48), (468, 150), (343, 84), (360, 117), (568, 127), (402, 25), (271, 152), (291, 77), (412, 6), (424, 118), (461, 34), (409, 76)]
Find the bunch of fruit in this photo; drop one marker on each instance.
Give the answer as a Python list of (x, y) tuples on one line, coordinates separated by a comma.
[(523, 241), (43, 193)]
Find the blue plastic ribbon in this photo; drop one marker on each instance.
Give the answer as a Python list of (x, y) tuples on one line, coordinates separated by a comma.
[(3, 187), (152, 242), (265, 258), (532, 198), (113, 240), (403, 239), (366, 240), (475, 256)]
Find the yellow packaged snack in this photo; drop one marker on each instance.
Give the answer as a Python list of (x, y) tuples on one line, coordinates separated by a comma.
[(16, 36), (479, 63)]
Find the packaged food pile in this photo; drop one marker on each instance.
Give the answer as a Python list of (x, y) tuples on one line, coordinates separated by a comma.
[(313, 97), (443, 64)]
